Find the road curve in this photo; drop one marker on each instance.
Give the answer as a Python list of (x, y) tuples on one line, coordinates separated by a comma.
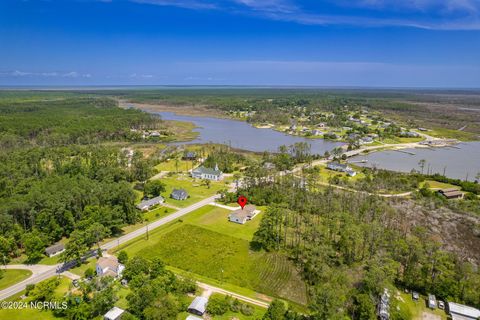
[(42, 272)]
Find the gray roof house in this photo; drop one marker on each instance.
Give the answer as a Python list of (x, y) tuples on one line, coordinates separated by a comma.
[(55, 249), (198, 306), (461, 312), (207, 173), (147, 204), (243, 215), (338, 166), (179, 194)]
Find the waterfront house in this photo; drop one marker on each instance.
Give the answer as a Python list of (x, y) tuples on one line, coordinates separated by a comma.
[(179, 194), (451, 193), (114, 314), (55, 249), (109, 266), (145, 205), (336, 166), (207, 173), (198, 306), (462, 312), (241, 216)]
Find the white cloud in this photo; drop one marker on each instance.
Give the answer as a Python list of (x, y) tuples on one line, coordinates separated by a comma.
[(187, 4)]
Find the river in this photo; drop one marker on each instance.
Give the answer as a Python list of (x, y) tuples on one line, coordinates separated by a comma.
[(241, 135), (461, 161)]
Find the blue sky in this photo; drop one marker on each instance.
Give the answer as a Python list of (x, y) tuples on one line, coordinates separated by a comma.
[(379, 43)]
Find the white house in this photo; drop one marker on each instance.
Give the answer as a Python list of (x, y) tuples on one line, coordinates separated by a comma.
[(109, 266), (145, 205), (207, 173), (243, 215), (461, 312)]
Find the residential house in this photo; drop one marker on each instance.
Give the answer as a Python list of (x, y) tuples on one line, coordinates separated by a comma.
[(243, 215), (189, 155), (154, 134), (114, 314), (335, 166), (109, 266), (55, 249), (207, 173), (461, 312), (451, 193), (145, 205), (316, 132), (198, 306), (366, 140), (409, 134), (179, 194)]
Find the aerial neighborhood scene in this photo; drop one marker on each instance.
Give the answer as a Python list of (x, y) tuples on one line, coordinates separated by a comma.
[(240, 160)]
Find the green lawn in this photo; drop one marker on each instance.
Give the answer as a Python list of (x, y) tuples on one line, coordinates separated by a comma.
[(204, 243), (439, 185), (194, 187), (12, 276), (175, 165), (216, 219), (80, 270)]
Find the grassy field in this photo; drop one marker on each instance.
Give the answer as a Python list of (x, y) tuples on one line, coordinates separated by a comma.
[(196, 190), (439, 185), (207, 245), (12, 276), (452, 134), (34, 314)]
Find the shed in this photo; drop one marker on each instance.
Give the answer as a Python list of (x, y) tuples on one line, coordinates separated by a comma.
[(461, 312), (451, 193), (432, 301), (198, 306), (55, 249), (114, 314)]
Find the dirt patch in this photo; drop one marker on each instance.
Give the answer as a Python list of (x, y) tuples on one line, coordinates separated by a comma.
[(430, 316)]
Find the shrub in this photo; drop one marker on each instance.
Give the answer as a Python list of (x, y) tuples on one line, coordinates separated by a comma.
[(218, 305)]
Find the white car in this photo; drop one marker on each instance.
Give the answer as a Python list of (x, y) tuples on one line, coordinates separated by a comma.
[(441, 305)]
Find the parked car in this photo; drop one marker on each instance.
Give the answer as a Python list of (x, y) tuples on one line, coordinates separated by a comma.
[(415, 296), (432, 302), (441, 305)]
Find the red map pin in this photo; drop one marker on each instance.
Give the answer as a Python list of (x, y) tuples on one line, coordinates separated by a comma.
[(242, 201)]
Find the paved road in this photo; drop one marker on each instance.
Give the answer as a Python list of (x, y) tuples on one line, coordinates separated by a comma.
[(42, 272)]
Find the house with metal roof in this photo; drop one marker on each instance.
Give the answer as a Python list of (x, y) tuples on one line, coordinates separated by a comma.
[(179, 194), (207, 173), (336, 166), (462, 312), (145, 205), (241, 216), (198, 306), (55, 249)]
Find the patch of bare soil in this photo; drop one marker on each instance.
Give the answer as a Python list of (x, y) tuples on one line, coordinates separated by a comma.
[(458, 232)]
